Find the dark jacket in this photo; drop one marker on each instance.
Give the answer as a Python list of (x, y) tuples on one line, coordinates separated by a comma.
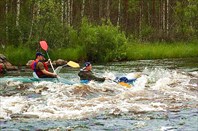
[(88, 75)]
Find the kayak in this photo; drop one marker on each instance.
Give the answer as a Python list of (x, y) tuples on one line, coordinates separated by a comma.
[(20, 79), (126, 81), (32, 79)]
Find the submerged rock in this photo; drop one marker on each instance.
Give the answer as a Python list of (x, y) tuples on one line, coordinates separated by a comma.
[(27, 116)]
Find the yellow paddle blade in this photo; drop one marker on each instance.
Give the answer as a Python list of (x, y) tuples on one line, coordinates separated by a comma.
[(73, 64), (125, 84)]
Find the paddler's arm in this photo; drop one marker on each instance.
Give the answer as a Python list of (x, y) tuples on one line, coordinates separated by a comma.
[(97, 78), (49, 73), (41, 67)]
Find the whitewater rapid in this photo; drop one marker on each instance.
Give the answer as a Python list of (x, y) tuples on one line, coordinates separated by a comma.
[(157, 90)]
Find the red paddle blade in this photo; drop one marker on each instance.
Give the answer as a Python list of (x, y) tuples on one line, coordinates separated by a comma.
[(44, 45)]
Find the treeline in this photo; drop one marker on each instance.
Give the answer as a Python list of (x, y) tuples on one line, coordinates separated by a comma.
[(98, 25)]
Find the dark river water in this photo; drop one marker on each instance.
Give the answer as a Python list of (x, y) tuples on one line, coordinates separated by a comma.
[(163, 98)]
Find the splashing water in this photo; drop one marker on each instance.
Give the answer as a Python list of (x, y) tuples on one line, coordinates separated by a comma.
[(157, 94)]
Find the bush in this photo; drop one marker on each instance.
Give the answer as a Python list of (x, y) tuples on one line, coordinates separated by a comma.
[(18, 55), (101, 43)]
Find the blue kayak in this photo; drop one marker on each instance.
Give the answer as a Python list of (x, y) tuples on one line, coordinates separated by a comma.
[(32, 79)]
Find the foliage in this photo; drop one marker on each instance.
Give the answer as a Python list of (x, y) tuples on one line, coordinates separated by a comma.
[(98, 31), (101, 43), (18, 55), (186, 16), (75, 54), (134, 51), (161, 50)]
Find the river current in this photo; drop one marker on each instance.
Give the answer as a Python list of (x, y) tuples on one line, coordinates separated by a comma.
[(164, 98)]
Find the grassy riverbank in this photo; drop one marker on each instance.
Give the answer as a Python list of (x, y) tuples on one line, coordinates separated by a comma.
[(20, 55), (161, 51)]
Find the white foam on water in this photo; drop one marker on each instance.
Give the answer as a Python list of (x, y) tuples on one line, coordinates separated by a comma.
[(155, 90), (167, 128)]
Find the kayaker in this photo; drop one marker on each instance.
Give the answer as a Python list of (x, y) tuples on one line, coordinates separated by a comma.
[(2, 69), (40, 67), (128, 79), (86, 75)]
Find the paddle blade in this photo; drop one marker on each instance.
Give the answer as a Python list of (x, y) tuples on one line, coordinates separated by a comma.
[(44, 45), (35, 75), (73, 64), (125, 84)]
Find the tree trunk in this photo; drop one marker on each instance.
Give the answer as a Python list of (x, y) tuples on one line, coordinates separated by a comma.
[(18, 13), (83, 9), (167, 17), (71, 11), (163, 16), (68, 11), (62, 11), (153, 15), (32, 20), (126, 2), (100, 9), (119, 12), (65, 12), (140, 18), (108, 10), (6, 18)]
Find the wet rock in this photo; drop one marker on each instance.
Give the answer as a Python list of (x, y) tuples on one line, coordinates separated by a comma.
[(5, 64), (60, 62), (194, 81), (2, 57), (27, 116), (22, 86), (40, 89), (29, 62), (115, 111)]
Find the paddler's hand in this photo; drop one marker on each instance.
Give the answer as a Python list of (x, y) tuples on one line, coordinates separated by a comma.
[(55, 75), (48, 61)]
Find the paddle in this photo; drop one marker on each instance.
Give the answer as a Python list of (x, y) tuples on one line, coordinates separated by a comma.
[(70, 63), (44, 46), (35, 75)]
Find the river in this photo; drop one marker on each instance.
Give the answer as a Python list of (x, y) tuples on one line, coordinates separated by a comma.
[(164, 98)]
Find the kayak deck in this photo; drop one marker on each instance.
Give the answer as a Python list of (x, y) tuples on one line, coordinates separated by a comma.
[(32, 79)]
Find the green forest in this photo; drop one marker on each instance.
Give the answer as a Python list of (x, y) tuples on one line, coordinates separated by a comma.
[(99, 30)]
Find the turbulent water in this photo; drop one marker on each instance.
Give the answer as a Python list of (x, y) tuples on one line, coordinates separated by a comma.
[(164, 98)]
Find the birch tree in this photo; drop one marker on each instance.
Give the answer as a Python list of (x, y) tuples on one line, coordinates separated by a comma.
[(18, 13), (108, 10), (6, 19), (83, 8), (119, 12)]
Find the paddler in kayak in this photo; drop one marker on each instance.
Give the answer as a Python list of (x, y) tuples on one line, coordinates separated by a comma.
[(128, 79), (86, 75), (40, 67)]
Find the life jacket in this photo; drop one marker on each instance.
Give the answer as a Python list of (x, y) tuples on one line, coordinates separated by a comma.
[(38, 72), (1, 68)]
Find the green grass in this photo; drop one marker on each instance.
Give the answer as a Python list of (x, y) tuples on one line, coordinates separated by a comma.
[(18, 55), (21, 55), (74, 54), (161, 50)]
